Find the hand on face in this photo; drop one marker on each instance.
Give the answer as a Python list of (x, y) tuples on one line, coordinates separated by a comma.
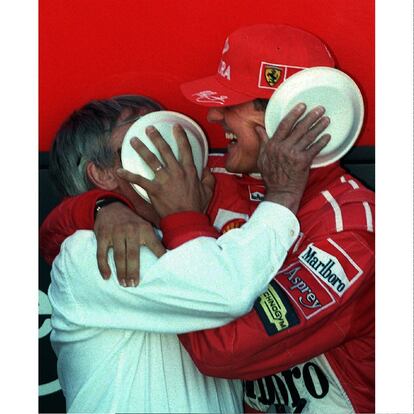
[(284, 161), (176, 186)]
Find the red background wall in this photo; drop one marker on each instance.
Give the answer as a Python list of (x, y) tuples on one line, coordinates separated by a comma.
[(98, 48)]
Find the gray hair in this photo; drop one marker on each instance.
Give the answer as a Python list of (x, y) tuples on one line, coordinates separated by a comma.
[(85, 136)]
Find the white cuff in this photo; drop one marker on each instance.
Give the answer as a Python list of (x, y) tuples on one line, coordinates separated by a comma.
[(278, 218)]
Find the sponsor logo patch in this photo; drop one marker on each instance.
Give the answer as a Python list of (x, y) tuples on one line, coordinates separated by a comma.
[(256, 192), (275, 310), (307, 387), (331, 264), (224, 217), (233, 224), (310, 295), (210, 96), (271, 75)]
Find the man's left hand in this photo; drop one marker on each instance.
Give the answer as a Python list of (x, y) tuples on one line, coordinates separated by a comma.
[(284, 161), (119, 227)]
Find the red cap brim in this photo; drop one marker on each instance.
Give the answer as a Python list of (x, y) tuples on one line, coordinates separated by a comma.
[(210, 92)]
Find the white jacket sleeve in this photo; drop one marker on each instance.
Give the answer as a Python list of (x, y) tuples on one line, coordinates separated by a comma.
[(202, 284)]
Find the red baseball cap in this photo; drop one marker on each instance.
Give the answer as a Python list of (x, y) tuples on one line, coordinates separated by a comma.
[(255, 60)]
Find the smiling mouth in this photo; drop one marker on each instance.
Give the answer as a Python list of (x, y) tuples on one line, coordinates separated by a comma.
[(231, 137)]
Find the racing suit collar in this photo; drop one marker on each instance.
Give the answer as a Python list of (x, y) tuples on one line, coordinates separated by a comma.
[(318, 178)]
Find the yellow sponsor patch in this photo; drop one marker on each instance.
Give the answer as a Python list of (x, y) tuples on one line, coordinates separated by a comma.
[(275, 310)]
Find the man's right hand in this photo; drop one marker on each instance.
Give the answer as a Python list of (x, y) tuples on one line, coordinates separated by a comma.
[(119, 227), (176, 186), (284, 161)]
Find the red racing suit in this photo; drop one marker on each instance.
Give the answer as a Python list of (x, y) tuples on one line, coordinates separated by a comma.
[(308, 343)]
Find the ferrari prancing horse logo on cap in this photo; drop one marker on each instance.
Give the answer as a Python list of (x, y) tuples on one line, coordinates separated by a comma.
[(272, 75)]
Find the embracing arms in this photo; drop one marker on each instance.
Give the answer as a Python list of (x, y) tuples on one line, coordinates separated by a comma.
[(117, 226)]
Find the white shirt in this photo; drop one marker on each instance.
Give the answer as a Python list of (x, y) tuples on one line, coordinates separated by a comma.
[(117, 349)]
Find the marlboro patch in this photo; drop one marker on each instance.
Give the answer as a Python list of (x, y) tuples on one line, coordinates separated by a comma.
[(275, 310), (331, 264)]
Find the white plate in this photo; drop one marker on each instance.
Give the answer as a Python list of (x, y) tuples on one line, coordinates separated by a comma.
[(328, 87), (163, 121)]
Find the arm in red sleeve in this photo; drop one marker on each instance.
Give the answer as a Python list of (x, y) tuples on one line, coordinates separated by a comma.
[(302, 314), (71, 214), (181, 227)]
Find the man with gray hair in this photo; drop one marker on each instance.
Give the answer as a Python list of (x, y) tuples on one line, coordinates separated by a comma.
[(117, 348), (308, 344)]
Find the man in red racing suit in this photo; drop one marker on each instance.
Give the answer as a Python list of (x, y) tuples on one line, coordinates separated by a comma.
[(310, 337), (308, 344)]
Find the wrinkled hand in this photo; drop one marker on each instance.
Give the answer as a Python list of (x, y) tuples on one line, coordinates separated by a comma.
[(119, 227), (176, 186), (284, 161)]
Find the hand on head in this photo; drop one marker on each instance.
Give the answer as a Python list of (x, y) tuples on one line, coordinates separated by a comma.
[(176, 186)]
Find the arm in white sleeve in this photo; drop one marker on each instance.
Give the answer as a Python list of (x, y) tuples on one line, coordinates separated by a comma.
[(202, 284)]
